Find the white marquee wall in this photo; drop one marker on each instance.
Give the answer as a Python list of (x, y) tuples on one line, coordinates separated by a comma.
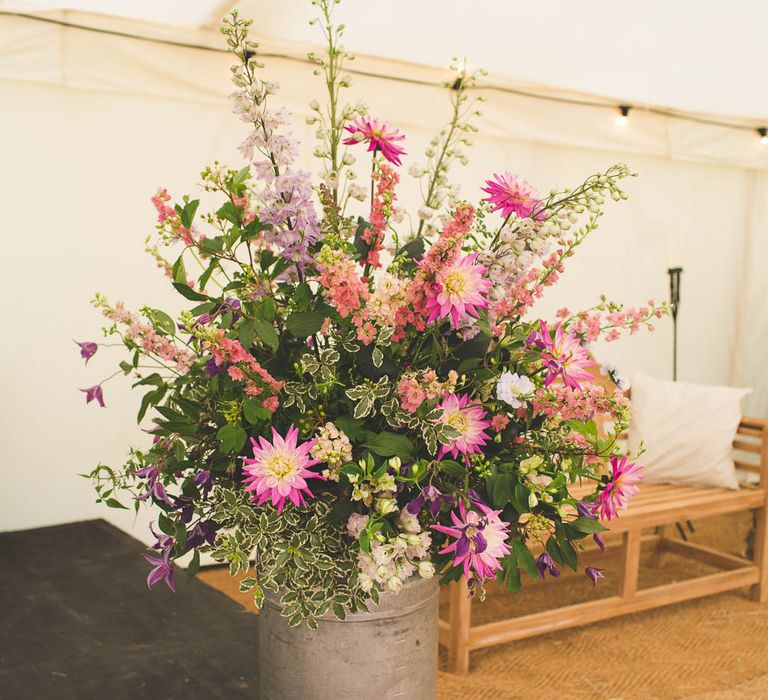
[(91, 125)]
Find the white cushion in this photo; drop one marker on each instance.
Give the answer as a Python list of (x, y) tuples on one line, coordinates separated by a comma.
[(687, 430)]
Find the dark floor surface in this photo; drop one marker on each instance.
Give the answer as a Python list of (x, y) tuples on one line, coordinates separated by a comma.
[(78, 623)]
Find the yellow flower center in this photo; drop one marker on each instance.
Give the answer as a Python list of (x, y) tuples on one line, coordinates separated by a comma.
[(280, 466), (455, 282), (459, 422)]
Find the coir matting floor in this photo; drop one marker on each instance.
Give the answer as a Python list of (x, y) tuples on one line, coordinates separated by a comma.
[(78, 623)]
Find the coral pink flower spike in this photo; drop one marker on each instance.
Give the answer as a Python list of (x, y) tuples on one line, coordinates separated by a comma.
[(480, 540), (622, 486), (467, 418), (509, 193), (459, 291), (379, 137), (279, 469)]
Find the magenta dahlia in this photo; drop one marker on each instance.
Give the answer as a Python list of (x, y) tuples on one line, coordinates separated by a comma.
[(379, 137), (621, 487), (280, 469), (563, 355), (509, 193), (459, 291), (469, 419)]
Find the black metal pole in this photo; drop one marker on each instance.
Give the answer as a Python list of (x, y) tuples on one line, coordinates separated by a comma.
[(674, 300)]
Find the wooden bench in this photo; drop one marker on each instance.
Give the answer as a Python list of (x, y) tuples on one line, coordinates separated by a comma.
[(657, 506)]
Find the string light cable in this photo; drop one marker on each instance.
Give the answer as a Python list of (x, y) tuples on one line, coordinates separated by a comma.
[(622, 110)]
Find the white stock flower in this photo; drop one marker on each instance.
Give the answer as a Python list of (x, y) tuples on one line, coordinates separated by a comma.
[(514, 389), (426, 569), (356, 524)]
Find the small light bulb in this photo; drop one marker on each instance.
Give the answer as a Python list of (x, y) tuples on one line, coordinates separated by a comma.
[(763, 131), (623, 118)]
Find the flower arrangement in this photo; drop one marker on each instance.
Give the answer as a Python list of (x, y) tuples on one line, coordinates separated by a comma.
[(356, 400)]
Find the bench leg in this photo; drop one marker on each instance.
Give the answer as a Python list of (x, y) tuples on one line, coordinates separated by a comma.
[(460, 621), (630, 564), (657, 557), (759, 591)]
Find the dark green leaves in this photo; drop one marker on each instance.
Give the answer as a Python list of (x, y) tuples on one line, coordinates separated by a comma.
[(587, 525), (246, 332), (231, 438), (161, 321), (188, 213), (302, 324), (254, 411), (189, 293), (230, 212), (267, 334), (388, 444)]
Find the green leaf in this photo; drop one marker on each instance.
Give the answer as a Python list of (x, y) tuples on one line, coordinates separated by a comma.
[(188, 213), (207, 274), (365, 541), (569, 555), (150, 399), (268, 309), (453, 468), (212, 246), (360, 245), (188, 293), (127, 367), (512, 580), (267, 334), (502, 490), (179, 272), (166, 524), (254, 411), (231, 438), (114, 503), (352, 427), (230, 212), (194, 566), (388, 444), (162, 321), (302, 324), (302, 297), (588, 525), (414, 249), (246, 332), (524, 558)]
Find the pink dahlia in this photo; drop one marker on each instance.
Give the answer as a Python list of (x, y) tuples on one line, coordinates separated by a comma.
[(510, 193), (467, 418), (279, 469), (563, 355), (459, 291), (621, 487), (379, 137), (480, 540)]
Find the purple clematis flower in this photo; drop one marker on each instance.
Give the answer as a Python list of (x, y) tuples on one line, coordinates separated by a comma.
[(203, 480), (433, 496), (593, 574), (94, 393), (162, 562), (87, 349), (599, 541), (156, 490), (545, 563), (586, 510), (162, 571), (213, 369), (201, 533)]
